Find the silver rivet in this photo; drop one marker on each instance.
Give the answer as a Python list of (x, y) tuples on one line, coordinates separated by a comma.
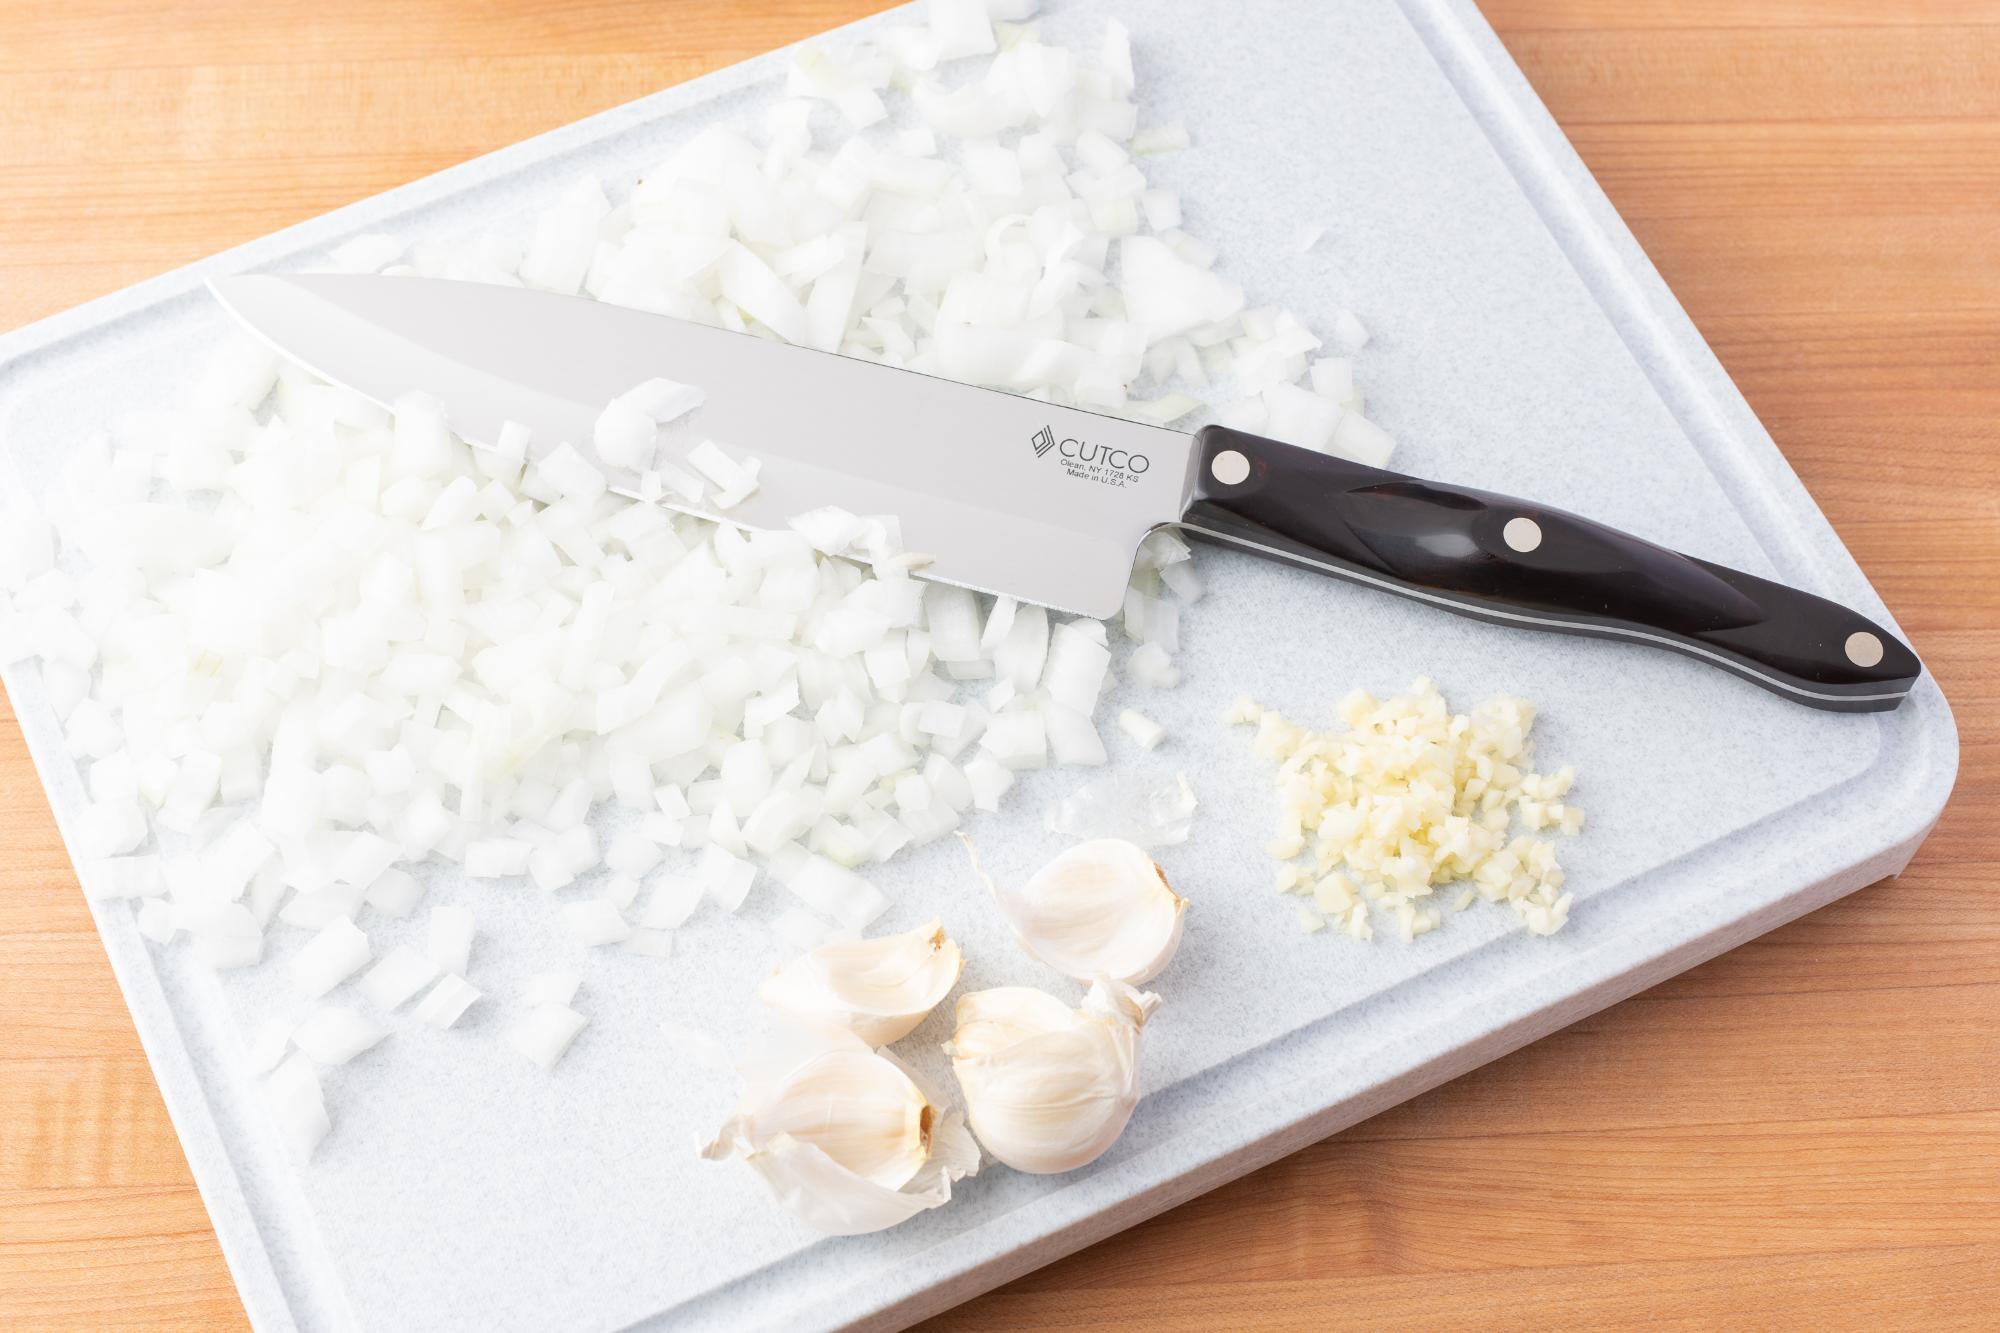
[(1863, 648), (1229, 467), (1522, 534)]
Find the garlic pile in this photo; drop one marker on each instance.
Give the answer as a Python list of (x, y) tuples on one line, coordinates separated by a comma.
[(842, 1134), (1049, 1088), (1101, 909), (1411, 797)]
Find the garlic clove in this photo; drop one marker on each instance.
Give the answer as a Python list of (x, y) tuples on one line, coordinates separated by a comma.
[(1101, 909), (992, 1020), (878, 989), (1048, 1088), (841, 1135), (858, 1109)]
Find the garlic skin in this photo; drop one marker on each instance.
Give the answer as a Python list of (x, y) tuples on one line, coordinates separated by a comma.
[(1048, 1088), (878, 989), (1101, 909), (842, 1136)]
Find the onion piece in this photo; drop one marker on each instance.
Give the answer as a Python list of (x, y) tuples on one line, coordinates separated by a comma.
[(401, 973), (1360, 439), (545, 1032), (446, 1002), (337, 952), (834, 891), (123, 877), (156, 920), (297, 1105), (673, 901), (594, 922), (724, 877), (331, 1035), (1141, 728), (1150, 666), (394, 893), (1077, 664), (450, 940)]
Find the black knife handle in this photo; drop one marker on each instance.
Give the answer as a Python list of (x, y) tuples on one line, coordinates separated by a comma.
[(1518, 563)]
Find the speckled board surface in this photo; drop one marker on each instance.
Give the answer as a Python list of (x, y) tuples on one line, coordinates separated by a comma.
[(1522, 344)]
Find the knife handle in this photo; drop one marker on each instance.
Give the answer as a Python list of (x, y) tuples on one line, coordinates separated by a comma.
[(1518, 563)]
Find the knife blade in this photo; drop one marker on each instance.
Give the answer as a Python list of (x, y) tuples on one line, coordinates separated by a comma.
[(1046, 502), (1005, 494)]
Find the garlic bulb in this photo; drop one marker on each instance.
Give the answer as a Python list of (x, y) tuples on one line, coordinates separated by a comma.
[(843, 1136), (1049, 1088), (1101, 909), (877, 989)]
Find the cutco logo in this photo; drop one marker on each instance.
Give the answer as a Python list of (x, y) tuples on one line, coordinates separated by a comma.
[(1091, 462)]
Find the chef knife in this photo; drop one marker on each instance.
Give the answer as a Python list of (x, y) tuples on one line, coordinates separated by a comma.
[(1049, 503)]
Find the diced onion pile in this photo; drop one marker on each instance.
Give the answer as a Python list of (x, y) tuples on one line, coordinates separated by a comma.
[(1008, 236), (1409, 797), (299, 643)]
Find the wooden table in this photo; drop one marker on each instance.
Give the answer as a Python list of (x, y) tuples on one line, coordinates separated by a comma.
[(1804, 1132)]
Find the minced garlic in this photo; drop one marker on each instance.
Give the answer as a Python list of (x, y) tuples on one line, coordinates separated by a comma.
[(1411, 796)]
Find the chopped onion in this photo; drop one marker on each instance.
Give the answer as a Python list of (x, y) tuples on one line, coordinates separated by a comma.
[(632, 854), (1017, 740), (156, 921), (123, 877), (337, 952), (450, 939), (594, 922), (834, 891), (446, 1002), (1076, 667), (1360, 439), (331, 1035), (545, 1032), (394, 893), (1072, 737), (399, 653), (673, 901), (401, 973), (497, 858), (1151, 667), (1141, 728), (293, 1094)]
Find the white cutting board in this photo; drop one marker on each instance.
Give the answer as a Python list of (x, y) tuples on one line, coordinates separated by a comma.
[(1523, 344)]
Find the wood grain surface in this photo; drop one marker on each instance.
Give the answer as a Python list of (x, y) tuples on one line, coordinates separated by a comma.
[(1803, 1133)]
